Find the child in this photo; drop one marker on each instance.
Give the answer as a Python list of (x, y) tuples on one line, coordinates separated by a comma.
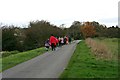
[(47, 44)]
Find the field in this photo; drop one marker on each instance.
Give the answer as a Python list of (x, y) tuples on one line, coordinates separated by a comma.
[(12, 60), (112, 44), (84, 63)]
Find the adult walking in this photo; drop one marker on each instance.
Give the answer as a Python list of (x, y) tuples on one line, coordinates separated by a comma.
[(67, 40), (53, 42)]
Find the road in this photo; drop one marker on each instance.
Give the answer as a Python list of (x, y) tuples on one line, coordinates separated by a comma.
[(48, 65)]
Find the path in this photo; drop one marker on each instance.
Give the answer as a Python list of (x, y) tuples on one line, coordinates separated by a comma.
[(48, 65)]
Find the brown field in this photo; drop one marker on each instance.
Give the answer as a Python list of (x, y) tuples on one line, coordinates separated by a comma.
[(102, 49)]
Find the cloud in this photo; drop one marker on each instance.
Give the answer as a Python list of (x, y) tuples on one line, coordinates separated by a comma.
[(58, 11)]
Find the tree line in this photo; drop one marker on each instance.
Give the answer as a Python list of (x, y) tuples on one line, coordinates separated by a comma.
[(34, 36)]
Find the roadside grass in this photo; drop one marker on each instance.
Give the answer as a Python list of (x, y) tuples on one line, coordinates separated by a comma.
[(83, 64), (99, 49), (13, 60), (8, 53), (111, 43)]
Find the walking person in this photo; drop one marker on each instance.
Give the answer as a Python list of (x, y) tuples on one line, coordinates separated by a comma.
[(53, 42), (47, 44), (60, 44), (57, 42), (62, 41), (67, 40)]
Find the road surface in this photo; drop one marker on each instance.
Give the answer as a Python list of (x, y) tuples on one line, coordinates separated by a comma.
[(48, 65)]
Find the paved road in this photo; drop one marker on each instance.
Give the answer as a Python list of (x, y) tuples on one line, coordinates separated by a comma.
[(48, 65)]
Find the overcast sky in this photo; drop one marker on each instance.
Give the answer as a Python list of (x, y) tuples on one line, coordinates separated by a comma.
[(21, 12)]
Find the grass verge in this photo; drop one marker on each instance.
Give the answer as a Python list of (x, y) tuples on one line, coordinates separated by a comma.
[(84, 64), (99, 49), (13, 60), (111, 43)]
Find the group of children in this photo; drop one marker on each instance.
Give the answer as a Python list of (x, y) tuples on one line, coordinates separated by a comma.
[(53, 42)]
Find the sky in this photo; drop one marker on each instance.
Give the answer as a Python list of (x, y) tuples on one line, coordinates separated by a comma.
[(57, 12)]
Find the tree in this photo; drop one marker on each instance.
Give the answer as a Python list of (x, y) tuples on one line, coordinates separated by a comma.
[(74, 30), (38, 32), (8, 39), (88, 30)]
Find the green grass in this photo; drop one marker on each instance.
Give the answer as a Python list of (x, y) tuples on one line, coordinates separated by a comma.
[(13, 60), (84, 64), (8, 53)]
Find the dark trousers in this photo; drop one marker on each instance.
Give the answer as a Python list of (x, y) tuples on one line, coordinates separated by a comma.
[(53, 46)]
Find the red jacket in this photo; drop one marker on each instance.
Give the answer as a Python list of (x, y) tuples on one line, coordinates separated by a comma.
[(53, 40), (57, 40)]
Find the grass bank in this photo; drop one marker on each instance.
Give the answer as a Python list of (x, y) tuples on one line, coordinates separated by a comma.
[(84, 64), (13, 60), (111, 43)]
